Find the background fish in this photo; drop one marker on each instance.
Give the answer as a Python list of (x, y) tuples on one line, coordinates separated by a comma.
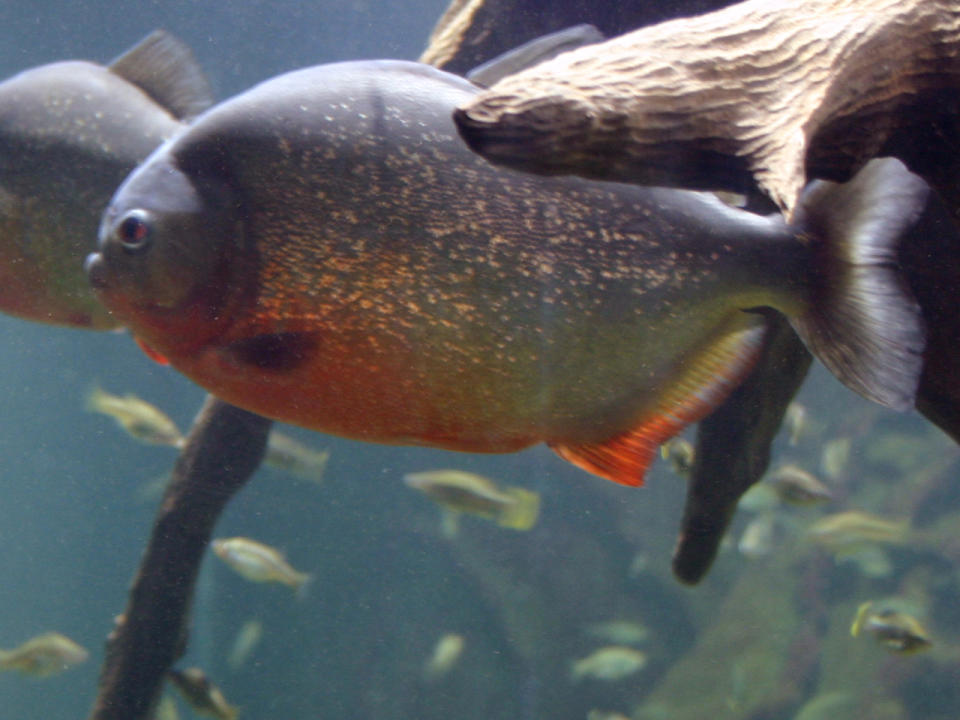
[(323, 250), (69, 133)]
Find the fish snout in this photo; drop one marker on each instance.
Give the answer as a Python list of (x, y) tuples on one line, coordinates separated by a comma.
[(96, 269)]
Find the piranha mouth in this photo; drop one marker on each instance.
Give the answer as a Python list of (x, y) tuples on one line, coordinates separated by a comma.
[(96, 269)]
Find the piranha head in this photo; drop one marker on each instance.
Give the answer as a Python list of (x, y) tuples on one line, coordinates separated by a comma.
[(168, 254)]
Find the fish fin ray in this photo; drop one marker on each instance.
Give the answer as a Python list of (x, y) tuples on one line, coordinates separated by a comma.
[(165, 69), (150, 352), (701, 387), (863, 322)]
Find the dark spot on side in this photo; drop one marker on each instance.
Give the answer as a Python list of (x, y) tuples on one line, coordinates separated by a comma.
[(276, 352)]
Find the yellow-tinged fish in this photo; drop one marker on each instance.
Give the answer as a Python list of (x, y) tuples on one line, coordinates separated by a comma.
[(446, 653), (294, 458), (679, 453), (258, 562), (460, 491), (247, 639), (898, 632), (136, 416), (202, 695), (44, 655), (796, 486), (613, 662), (849, 531)]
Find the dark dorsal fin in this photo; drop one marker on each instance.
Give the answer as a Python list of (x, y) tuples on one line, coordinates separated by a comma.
[(165, 69), (533, 53)]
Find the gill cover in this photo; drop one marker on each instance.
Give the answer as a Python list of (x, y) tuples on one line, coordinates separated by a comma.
[(165, 235)]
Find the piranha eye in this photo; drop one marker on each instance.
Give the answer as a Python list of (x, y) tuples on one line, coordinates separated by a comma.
[(134, 231)]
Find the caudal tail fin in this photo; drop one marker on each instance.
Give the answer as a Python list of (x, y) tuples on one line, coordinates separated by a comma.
[(863, 323)]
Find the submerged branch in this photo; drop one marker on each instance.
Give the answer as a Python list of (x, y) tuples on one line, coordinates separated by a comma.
[(223, 450)]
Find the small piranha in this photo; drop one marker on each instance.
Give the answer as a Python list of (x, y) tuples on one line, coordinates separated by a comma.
[(137, 417), (679, 453), (796, 486), (69, 133), (446, 654), (247, 639), (847, 532), (324, 250), (898, 632), (619, 632), (44, 655), (610, 663), (294, 458), (258, 562), (458, 491), (201, 694)]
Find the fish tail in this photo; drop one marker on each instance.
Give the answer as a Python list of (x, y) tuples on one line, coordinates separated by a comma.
[(449, 523), (93, 402), (863, 323), (521, 514), (300, 583)]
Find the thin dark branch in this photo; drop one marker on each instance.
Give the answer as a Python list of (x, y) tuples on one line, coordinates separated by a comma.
[(224, 448)]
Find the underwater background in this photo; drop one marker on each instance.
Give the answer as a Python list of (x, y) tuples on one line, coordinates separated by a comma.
[(766, 635)]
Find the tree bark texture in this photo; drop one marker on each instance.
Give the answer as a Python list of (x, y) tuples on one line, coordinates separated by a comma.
[(471, 32), (222, 451), (758, 95)]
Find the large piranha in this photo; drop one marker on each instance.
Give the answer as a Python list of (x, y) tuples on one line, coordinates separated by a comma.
[(70, 132), (322, 249)]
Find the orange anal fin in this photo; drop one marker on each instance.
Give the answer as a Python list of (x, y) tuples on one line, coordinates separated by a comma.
[(702, 384), (151, 353)]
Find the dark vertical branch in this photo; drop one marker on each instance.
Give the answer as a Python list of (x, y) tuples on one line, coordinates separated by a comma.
[(223, 450), (733, 448)]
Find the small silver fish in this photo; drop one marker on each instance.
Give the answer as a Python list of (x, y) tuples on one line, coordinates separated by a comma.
[(44, 655), (136, 416), (258, 562), (247, 639), (459, 491), (446, 654), (202, 695), (294, 458), (796, 486), (846, 532), (898, 632), (610, 663), (679, 453)]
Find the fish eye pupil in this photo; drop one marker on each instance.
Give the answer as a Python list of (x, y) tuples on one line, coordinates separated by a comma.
[(134, 231)]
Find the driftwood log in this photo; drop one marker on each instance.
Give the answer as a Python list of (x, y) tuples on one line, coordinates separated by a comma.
[(760, 94), (471, 32), (222, 451)]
